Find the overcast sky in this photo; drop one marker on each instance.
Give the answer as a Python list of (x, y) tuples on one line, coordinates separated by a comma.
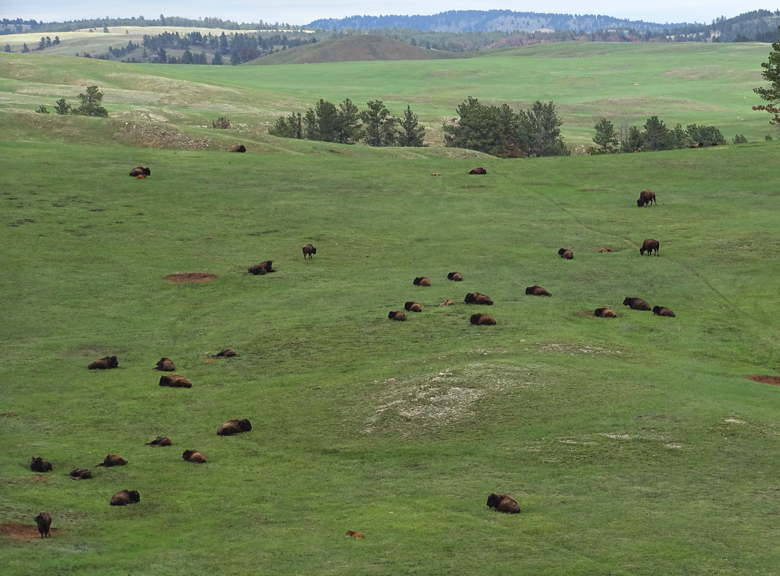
[(304, 11)]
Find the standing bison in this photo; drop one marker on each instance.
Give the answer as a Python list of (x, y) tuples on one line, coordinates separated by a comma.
[(308, 251), (43, 520), (649, 246), (646, 197)]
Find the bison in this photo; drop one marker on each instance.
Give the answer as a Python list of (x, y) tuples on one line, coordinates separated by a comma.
[(646, 197), (479, 171), (43, 520), (447, 302), (566, 254), (234, 427), (455, 276), (237, 148), (140, 171), (226, 353), (503, 503), (413, 306), (355, 534), (264, 267), (160, 441), (650, 246), (308, 251), (421, 281), (193, 456), (663, 311), (125, 497), (80, 474), (604, 313), (537, 291), (105, 363), (478, 298), (175, 381), (112, 460), (636, 304), (165, 364), (396, 315), (38, 464), (482, 320), (605, 250)]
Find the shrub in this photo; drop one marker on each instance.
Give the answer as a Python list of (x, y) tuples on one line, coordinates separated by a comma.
[(221, 123), (42, 109)]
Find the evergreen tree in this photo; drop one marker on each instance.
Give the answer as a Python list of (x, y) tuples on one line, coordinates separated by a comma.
[(542, 125), (321, 122), (91, 103), (655, 135), (288, 127), (771, 93), (349, 129), (42, 43), (25, 49), (606, 138), (217, 59), (61, 107), (186, 57), (475, 129), (56, 40), (410, 132), (379, 124), (631, 140)]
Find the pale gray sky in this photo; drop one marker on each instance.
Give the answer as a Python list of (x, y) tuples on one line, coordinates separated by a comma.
[(304, 11)]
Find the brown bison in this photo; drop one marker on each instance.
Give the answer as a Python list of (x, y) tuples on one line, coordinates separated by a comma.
[(140, 171), (503, 503), (160, 441), (479, 171), (566, 254), (308, 251), (112, 460), (397, 315), (537, 291), (455, 276), (234, 427), (175, 381), (226, 353), (38, 464), (105, 363), (646, 197), (413, 306), (605, 313), (605, 250), (165, 364), (237, 148), (43, 520), (125, 497), (80, 474), (663, 311), (264, 267), (650, 246), (355, 534), (421, 281), (193, 456), (636, 304), (478, 298), (447, 302), (482, 320)]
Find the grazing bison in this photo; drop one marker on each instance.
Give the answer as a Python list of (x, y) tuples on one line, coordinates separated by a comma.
[(226, 353), (165, 364), (80, 474), (237, 148), (105, 363), (193, 456), (397, 315), (43, 520), (413, 306), (663, 311), (478, 298), (355, 534), (482, 320), (537, 291), (38, 464), (636, 304), (649, 246), (605, 313), (175, 381), (265, 267), (646, 197), (140, 171), (503, 503), (455, 276), (566, 254), (234, 427), (160, 441), (479, 171), (125, 497), (447, 302), (421, 281), (308, 251), (112, 460)]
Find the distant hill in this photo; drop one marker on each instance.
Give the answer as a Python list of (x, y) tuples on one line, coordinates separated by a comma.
[(350, 49), (756, 26)]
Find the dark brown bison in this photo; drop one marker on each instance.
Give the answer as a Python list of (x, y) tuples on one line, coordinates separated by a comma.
[(43, 520), (125, 497), (397, 315), (650, 246), (193, 456), (663, 311), (503, 503), (165, 364), (265, 267), (175, 381), (80, 474), (413, 306), (355, 534), (226, 353), (105, 363), (421, 281), (604, 313), (646, 197), (479, 171), (636, 304), (308, 251), (140, 171), (455, 276), (537, 291), (237, 148), (478, 298), (566, 254), (482, 320), (38, 464), (112, 460), (160, 441), (234, 427)]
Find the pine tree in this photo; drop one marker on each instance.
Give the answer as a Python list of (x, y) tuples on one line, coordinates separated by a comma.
[(61, 107), (542, 125), (321, 122), (410, 132), (349, 129), (379, 124), (91, 103), (771, 93), (655, 135), (606, 138)]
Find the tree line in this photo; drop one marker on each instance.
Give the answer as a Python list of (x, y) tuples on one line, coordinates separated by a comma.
[(91, 104), (652, 136)]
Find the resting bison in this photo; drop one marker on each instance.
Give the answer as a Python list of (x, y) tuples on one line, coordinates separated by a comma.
[(105, 363), (226, 353), (605, 313), (537, 291), (175, 381), (503, 503), (478, 171), (264, 267), (478, 298), (125, 497), (421, 281), (646, 197), (43, 520), (38, 464), (112, 460), (237, 148), (160, 441), (413, 306), (604, 250), (397, 315), (193, 456), (308, 251), (649, 246), (165, 364), (566, 254), (482, 320), (447, 302), (455, 276), (355, 534), (663, 311), (140, 171), (80, 474), (636, 304), (234, 427)]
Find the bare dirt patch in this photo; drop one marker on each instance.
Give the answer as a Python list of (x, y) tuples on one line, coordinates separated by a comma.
[(18, 531), (190, 277), (764, 379)]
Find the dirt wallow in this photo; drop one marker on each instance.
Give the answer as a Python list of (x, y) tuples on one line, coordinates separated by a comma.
[(19, 531), (190, 277), (764, 379)]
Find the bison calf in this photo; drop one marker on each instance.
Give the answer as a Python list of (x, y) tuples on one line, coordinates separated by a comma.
[(104, 363), (413, 306), (80, 474), (537, 291), (160, 441), (503, 503), (38, 464), (649, 246), (455, 276), (165, 364), (663, 311), (175, 381), (396, 315), (355, 534), (43, 520), (447, 302), (112, 460), (482, 320), (125, 497), (265, 267), (193, 456), (234, 427), (636, 304), (421, 281), (478, 298), (308, 251), (605, 313), (566, 254)]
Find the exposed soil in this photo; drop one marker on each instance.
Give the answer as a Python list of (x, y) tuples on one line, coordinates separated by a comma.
[(764, 379), (190, 277), (18, 531)]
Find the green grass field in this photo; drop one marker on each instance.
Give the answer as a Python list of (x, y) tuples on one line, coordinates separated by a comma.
[(635, 445)]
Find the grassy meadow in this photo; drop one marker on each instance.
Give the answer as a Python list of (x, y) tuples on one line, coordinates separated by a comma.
[(635, 445)]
